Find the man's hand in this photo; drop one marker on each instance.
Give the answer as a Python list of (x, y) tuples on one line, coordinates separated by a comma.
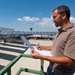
[(35, 54), (39, 47)]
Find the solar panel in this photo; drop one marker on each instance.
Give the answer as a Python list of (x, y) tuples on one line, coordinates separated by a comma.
[(12, 32)]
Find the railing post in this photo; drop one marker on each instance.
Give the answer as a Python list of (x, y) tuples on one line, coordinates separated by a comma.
[(41, 67), (8, 72)]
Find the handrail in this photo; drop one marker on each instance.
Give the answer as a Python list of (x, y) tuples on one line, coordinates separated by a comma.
[(7, 70)]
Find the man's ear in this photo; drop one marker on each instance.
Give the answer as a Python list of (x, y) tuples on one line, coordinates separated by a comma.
[(63, 15)]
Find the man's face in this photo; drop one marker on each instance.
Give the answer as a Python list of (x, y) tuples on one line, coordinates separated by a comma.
[(57, 18)]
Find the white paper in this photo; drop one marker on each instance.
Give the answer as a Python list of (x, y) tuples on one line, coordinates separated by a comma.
[(43, 52)]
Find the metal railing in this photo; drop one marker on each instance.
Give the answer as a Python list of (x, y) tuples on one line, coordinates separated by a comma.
[(7, 69)]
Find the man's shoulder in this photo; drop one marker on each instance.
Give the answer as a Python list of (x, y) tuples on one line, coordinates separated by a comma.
[(72, 30)]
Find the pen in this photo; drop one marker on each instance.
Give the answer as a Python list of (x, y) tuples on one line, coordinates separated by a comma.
[(38, 44)]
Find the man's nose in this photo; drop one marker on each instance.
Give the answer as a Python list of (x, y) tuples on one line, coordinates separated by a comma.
[(53, 20)]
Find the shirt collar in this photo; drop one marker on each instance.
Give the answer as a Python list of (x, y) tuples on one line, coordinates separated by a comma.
[(65, 29)]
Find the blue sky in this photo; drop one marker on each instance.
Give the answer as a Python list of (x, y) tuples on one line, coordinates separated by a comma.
[(25, 14)]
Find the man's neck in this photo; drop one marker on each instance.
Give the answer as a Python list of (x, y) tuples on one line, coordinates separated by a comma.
[(65, 25)]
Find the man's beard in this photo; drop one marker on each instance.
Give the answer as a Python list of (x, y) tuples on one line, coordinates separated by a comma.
[(56, 25)]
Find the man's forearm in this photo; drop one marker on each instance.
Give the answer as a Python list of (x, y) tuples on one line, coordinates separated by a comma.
[(63, 60), (47, 47)]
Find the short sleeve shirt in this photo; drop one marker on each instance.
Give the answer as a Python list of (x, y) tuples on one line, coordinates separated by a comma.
[(64, 44)]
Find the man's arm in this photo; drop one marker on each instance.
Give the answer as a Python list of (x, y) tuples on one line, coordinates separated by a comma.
[(47, 47), (63, 60)]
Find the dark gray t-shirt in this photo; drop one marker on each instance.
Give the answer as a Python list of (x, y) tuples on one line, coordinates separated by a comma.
[(64, 44)]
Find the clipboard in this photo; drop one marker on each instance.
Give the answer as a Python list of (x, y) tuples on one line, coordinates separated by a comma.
[(27, 42), (43, 52)]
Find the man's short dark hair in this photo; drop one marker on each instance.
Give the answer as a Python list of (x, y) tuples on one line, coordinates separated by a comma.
[(63, 9)]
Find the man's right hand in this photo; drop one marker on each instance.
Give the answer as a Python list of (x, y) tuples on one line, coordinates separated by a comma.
[(39, 47)]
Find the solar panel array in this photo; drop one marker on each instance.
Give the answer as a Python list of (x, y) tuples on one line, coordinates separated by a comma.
[(12, 32)]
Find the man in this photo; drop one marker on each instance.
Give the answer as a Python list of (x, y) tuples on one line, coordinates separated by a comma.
[(63, 50)]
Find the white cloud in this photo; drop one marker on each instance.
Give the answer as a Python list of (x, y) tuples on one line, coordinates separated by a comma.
[(19, 19), (37, 21), (72, 19), (28, 19), (44, 21)]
